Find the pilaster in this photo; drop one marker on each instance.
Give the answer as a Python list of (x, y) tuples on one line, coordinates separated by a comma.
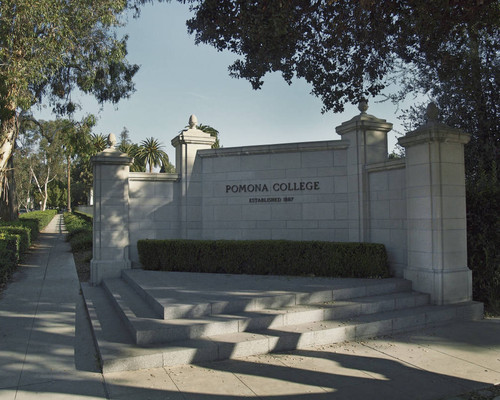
[(367, 136), (187, 144), (111, 220), (437, 230)]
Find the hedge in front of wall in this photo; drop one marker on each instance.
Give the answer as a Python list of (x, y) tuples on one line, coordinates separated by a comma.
[(265, 257)]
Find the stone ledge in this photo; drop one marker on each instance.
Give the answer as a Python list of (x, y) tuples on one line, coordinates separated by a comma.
[(275, 148)]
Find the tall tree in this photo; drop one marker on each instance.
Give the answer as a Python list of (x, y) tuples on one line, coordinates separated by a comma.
[(152, 154), (212, 132), (348, 49), (125, 137), (50, 47), (132, 150)]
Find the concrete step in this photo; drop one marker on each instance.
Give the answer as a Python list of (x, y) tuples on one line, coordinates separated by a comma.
[(146, 328), (118, 350), (170, 295)]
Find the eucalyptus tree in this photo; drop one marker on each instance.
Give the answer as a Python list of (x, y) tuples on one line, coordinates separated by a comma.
[(47, 49)]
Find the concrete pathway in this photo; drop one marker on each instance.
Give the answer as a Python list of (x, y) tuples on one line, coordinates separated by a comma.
[(46, 351)]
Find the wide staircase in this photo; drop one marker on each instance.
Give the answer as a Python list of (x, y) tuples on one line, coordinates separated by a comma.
[(150, 319)]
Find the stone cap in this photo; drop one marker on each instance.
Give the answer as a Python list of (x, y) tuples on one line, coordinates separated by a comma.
[(111, 155), (433, 131), (363, 121), (193, 135)]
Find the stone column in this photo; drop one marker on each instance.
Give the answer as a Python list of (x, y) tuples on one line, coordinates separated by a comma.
[(111, 221), (437, 231), (367, 136), (187, 144)]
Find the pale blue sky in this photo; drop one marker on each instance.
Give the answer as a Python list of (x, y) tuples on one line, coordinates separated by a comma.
[(178, 78)]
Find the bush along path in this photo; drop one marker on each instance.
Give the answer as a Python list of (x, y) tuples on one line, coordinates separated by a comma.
[(79, 227), (16, 238)]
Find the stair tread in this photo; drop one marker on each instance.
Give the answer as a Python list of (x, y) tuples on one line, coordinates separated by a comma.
[(147, 328), (172, 293), (118, 352), (144, 318)]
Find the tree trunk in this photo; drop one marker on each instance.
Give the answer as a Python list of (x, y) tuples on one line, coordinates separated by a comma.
[(8, 199), (69, 182)]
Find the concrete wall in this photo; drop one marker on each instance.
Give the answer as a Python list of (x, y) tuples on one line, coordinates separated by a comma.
[(387, 211), (336, 190), (289, 191)]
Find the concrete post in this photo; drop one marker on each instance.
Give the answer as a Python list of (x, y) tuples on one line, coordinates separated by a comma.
[(187, 144), (367, 136), (436, 215), (111, 220)]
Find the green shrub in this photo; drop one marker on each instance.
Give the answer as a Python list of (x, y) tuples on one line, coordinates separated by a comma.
[(17, 236), (35, 220), (79, 227), (265, 257), (9, 254), (84, 216), (23, 231), (81, 241)]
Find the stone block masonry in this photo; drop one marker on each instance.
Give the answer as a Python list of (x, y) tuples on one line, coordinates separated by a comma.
[(335, 190)]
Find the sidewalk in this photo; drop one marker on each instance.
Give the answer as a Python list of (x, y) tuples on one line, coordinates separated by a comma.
[(46, 351)]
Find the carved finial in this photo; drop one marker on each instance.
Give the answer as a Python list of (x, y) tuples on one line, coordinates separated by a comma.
[(432, 112), (193, 121), (363, 105), (111, 140)]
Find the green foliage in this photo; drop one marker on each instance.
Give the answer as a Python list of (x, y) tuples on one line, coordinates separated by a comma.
[(50, 48), (213, 132), (23, 232), (56, 194), (79, 227), (151, 153), (265, 257), (9, 255), (483, 236), (132, 150), (15, 237), (99, 142), (36, 221), (347, 49)]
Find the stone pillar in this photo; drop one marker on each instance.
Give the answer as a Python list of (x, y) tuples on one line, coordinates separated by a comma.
[(436, 214), (367, 136), (111, 221), (187, 144)]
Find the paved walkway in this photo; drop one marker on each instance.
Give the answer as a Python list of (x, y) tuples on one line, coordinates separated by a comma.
[(46, 351)]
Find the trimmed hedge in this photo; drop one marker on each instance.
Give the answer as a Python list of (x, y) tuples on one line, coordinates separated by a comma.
[(23, 231), (266, 257), (86, 217), (9, 254), (35, 220), (17, 236), (79, 227)]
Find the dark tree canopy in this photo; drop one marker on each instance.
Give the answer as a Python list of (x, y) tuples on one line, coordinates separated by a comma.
[(346, 49)]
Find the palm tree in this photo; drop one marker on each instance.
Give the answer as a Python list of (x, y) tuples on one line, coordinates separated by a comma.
[(151, 153), (212, 132), (132, 150), (99, 141)]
